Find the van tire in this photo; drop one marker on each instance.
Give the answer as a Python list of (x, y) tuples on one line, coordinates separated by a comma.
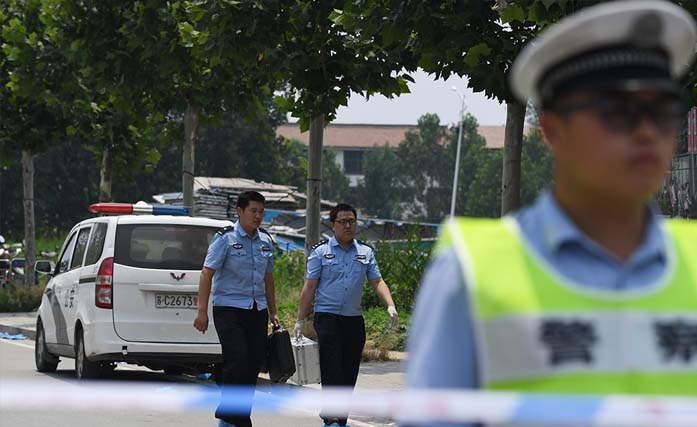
[(84, 368), (45, 361)]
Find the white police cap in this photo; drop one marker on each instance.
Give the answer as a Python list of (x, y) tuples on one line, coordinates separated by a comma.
[(636, 43)]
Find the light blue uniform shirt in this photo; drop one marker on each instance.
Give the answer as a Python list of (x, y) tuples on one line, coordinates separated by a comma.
[(341, 273), (240, 263), (441, 343)]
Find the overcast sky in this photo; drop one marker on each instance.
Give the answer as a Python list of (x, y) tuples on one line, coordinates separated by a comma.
[(427, 96)]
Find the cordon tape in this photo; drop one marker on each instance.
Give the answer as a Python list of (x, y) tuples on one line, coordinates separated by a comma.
[(499, 408)]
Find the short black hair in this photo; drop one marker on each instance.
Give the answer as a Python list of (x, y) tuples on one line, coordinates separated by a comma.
[(340, 208), (249, 196)]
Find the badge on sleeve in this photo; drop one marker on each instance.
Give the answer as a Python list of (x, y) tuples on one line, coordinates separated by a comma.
[(360, 256), (237, 246), (265, 248), (329, 256)]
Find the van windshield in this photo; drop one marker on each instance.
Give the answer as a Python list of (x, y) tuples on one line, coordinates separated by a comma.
[(162, 246)]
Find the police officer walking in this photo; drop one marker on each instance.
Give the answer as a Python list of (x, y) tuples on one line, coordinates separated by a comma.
[(587, 290), (240, 264), (336, 272)]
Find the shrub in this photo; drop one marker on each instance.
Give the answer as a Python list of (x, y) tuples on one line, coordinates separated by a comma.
[(402, 265), (20, 299), (289, 270)]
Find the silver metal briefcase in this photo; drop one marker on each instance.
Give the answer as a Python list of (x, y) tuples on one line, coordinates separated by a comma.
[(306, 354)]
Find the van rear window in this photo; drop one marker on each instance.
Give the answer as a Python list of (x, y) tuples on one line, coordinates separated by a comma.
[(162, 246)]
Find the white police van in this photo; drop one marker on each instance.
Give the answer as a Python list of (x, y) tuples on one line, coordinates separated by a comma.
[(125, 289)]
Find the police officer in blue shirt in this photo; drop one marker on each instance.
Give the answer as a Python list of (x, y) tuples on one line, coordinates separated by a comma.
[(336, 272), (240, 265), (606, 81)]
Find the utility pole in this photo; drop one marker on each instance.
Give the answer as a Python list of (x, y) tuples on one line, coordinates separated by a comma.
[(457, 154)]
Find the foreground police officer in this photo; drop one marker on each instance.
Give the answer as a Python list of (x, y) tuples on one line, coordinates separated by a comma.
[(336, 272), (588, 290), (240, 263)]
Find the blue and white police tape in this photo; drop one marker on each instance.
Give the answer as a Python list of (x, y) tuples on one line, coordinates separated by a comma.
[(499, 408)]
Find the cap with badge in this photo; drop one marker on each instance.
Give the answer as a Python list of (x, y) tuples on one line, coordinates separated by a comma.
[(621, 46)]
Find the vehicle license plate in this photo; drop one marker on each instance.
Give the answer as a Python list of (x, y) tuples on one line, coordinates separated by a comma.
[(175, 301)]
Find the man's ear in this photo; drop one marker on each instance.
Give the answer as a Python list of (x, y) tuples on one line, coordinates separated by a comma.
[(550, 126)]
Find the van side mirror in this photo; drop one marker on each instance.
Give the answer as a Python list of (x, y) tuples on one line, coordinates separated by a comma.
[(44, 267)]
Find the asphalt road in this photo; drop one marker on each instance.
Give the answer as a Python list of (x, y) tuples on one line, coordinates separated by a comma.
[(17, 363)]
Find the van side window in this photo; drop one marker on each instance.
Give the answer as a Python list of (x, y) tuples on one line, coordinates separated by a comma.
[(64, 263), (96, 244), (80, 247)]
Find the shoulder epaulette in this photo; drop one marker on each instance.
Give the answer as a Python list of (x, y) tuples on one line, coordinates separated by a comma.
[(226, 229), (365, 244), (320, 243), (261, 230)]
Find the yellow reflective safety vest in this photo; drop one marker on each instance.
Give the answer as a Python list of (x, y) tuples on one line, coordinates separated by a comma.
[(536, 331)]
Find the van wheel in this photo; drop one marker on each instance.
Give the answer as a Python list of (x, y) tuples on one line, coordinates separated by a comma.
[(45, 361), (84, 368)]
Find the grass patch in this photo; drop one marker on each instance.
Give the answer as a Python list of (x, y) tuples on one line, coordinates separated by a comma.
[(380, 338)]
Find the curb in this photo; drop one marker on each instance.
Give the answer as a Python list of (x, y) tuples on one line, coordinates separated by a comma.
[(29, 333)]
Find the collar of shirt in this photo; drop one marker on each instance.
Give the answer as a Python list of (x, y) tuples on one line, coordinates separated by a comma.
[(240, 231), (334, 242), (558, 230)]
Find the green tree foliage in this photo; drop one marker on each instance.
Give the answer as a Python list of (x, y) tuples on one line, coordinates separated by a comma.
[(242, 146), (423, 173), (34, 79), (537, 166), (68, 174), (323, 63), (415, 181), (479, 172), (37, 89), (470, 37), (483, 197), (116, 111), (335, 184), (293, 165), (483, 192), (378, 192)]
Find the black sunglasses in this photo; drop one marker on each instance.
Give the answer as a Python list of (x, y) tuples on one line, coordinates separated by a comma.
[(623, 114)]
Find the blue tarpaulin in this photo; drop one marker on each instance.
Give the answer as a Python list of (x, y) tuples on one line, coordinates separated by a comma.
[(287, 245), (7, 336)]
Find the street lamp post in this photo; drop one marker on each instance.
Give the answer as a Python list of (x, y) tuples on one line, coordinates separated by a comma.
[(457, 154)]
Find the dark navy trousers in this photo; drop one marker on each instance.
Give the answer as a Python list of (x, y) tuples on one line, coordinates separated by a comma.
[(242, 335)]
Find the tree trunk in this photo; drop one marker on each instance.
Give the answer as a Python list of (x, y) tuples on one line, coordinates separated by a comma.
[(105, 176), (29, 237), (314, 182), (512, 148), (190, 125)]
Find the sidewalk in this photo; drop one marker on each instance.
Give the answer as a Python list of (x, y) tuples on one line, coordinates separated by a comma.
[(19, 323)]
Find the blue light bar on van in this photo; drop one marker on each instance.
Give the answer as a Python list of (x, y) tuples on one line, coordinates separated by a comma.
[(135, 209), (170, 210)]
